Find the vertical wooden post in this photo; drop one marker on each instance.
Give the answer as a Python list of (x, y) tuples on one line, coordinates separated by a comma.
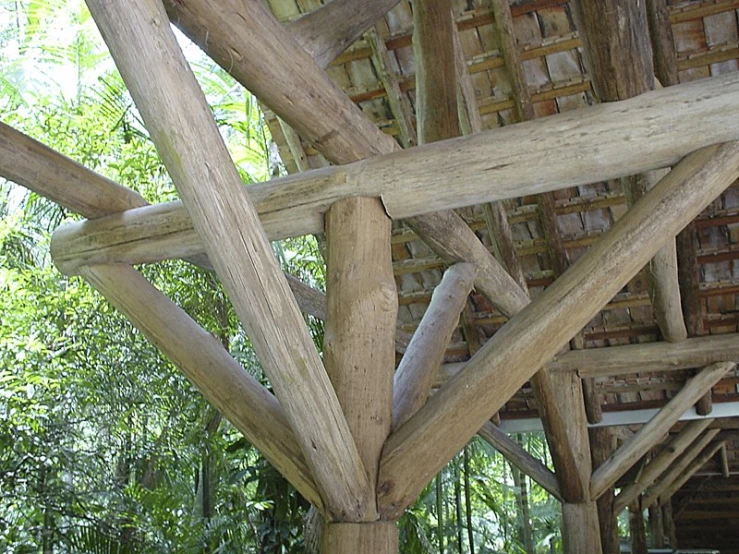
[(657, 527), (580, 527), (637, 530), (359, 352), (669, 523), (601, 447)]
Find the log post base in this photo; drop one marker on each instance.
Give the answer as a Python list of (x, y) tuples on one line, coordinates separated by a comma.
[(580, 529), (379, 537)]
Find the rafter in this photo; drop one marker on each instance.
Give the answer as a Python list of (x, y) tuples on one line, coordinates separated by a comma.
[(498, 164), (194, 153), (441, 428), (653, 432), (201, 357), (660, 463), (679, 474)]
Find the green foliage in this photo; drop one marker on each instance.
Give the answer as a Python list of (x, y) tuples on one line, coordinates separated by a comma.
[(105, 448)]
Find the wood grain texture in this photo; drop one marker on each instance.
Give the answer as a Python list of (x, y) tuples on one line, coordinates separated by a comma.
[(682, 470), (612, 140), (201, 357), (37, 167), (359, 341), (657, 466), (654, 431), (442, 427), (602, 444), (415, 375), (514, 453), (585, 538), (360, 538), (152, 65), (663, 43), (329, 30)]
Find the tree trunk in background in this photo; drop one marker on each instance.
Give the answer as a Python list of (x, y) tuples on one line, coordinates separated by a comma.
[(468, 500)]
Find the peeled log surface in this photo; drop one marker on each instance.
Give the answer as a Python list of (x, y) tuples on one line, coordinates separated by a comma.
[(519, 457), (181, 124), (380, 537), (421, 447), (325, 33), (652, 470), (362, 309), (201, 357), (584, 539), (27, 162), (417, 369), (609, 141), (653, 432)]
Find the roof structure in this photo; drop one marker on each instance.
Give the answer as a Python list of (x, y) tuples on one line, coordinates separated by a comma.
[(533, 259)]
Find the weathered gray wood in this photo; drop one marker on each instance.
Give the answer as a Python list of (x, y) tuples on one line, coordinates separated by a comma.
[(417, 369), (663, 45), (652, 470), (611, 141), (414, 453), (678, 468), (359, 342), (654, 431), (519, 457), (27, 162), (326, 32), (618, 49), (182, 127), (380, 537), (202, 358), (666, 494)]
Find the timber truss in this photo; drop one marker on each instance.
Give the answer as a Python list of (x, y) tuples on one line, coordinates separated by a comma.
[(358, 438)]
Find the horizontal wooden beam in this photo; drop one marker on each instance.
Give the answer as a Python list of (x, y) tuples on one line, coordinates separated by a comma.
[(603, 142), (653, 432), (523, 460), (419, 448), (652, 470), (224, 383)]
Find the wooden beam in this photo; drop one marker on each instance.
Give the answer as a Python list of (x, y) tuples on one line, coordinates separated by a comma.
[(669, 523), (379, 537), (201, 357), (329, 30), (155, 71), (602, 445), (650, 472), (611, 141), (442, 427), (691, 470), (677, 468), (656, 526), (514, 453), (637, 530), (663, 45), (417, 369), (359, 342), (657, 428), (37, 167), (583, 539), (725, 471), (617, 46)]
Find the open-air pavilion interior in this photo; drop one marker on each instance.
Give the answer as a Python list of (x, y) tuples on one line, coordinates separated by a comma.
[(529, 213)]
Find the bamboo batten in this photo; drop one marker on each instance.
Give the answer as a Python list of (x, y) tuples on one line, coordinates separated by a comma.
[(152, 65)]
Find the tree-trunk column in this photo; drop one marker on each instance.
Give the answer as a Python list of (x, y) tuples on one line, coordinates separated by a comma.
[(359, 352)]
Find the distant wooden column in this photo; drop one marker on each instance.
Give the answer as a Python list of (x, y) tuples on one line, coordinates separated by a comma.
[(637, 531), (669, 523), (359, 351), (656, 524), (602, 447)]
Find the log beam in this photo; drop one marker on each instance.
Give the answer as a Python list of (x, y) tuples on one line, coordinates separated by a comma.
[(666, 494), (514, 453), (611, 141), (380, 537), (617, 46), (147, 54), (415, 375), (659, 464), (637, 530), (362, 309), (420, 447), (725, 463), (657, 428), (201, 357), (602, 445)]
